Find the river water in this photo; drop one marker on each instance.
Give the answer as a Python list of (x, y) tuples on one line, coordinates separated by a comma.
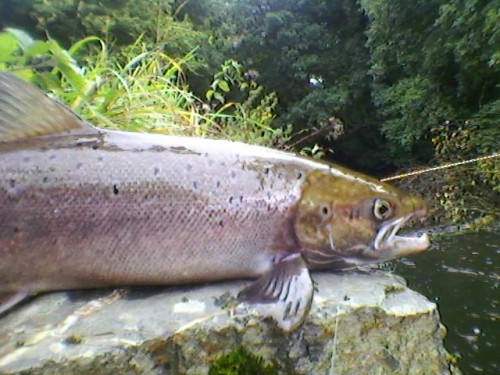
[(461, 273)]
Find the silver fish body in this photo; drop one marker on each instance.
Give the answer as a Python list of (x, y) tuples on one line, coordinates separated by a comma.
[(117, 208), (82, 207)]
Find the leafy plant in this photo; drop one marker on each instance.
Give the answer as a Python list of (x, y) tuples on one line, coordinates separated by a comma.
[(248, 117), (146, 93), (470, 193)]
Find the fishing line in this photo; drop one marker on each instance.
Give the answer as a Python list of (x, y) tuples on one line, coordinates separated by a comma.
[(445, 166)]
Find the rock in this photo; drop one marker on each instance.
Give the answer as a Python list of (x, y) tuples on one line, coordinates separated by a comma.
[(359, 324)]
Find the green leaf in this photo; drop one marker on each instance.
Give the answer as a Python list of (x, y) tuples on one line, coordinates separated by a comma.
[(9, 46), (23, 38), (50, 82), (68, 67), (224, 86), (83, 42), (219, 97), (37, 48), (26, 74)]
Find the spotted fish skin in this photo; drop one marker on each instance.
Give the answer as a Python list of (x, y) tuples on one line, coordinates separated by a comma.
[(119, 208), (82, 207)]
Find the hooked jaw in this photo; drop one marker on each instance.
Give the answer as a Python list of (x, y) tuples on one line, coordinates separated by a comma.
[(348, 222), (392, 245)]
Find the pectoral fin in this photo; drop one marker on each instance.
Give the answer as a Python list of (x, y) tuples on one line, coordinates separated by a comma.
[(284, 293)]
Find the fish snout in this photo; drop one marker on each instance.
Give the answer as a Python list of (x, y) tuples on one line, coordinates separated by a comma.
[(416, 206)]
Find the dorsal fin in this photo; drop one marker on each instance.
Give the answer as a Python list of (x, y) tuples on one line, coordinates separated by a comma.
[(25, 111)]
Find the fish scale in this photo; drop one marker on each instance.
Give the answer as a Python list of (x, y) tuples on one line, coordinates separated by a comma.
[(127, 210)]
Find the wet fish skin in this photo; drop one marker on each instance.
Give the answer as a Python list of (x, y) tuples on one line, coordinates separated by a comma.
[(131, 197), (335, 220), (82, 207)]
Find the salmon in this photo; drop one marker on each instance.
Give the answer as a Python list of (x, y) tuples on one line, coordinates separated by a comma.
[(82, 207)]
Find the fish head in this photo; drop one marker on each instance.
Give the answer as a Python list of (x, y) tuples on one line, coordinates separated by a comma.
[(345, 219)]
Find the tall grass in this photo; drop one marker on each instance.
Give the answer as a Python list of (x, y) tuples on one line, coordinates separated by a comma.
[(139, 89)]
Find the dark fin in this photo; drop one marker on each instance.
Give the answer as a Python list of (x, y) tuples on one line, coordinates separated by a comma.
[(25, 111), (9, 299), (284, 293)]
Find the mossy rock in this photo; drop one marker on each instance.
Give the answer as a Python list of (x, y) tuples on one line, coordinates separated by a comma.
[(241, 362)]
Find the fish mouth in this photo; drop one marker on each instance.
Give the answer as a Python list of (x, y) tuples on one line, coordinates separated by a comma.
[(394, 245)]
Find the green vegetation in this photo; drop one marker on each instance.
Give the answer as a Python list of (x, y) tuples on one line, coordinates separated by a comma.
[(241, 362), (146, 93), (375, 84)]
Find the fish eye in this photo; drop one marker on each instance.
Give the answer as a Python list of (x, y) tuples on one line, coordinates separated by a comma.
[(382, 209)]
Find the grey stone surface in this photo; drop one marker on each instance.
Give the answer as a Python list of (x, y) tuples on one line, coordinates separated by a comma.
[(359, 324)]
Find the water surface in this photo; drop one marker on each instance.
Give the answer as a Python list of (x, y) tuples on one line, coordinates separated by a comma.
[(461, 273)]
